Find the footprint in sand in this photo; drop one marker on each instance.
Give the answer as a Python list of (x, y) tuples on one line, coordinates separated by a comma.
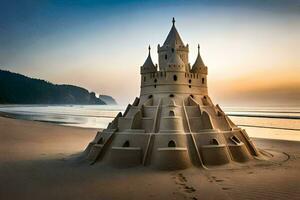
[(182, 178), (179, 183), (189, 189), (224, 188), (184, 189), (216, 180), (219, 180)]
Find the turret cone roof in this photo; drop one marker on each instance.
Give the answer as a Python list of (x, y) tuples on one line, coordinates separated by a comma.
[(198, 63), (175, 60), (173, 37), (148, 65)]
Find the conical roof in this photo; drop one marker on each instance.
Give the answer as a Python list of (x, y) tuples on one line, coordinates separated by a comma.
[(148, 65), (173, 37), (175, 60), (198, 63)]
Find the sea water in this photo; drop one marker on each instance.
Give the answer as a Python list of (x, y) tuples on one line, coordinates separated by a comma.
[(262, 122)]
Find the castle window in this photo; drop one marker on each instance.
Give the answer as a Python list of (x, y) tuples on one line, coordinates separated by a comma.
[(175, 78), (171, 143), (190, 81), (154, 86), (214, 142), (166, 57), (126, 144), (235, 139), (144, 78), (203, 80), (155, 80), (192, 96), (171, 113), (172, 50), (171, 95), (190, 86), (150, 96)]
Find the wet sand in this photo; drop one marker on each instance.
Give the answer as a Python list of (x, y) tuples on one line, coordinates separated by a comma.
[(37, 161)]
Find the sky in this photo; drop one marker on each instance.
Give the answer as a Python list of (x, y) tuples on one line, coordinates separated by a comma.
[(251, 48)]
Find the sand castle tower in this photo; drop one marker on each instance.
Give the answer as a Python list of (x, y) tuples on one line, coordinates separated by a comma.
[(173, 124)]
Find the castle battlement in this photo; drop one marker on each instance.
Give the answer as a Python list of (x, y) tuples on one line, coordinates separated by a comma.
[(169, 47)]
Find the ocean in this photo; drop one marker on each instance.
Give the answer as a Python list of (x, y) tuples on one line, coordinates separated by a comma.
[(261, 122)]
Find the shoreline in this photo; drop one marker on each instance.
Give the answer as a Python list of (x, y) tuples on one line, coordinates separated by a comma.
[(37, 162), (255, 129)]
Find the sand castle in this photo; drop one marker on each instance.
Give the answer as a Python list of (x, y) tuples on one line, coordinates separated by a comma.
[(173, 124)]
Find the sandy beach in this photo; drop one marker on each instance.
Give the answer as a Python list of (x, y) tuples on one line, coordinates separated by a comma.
[(40, 161)]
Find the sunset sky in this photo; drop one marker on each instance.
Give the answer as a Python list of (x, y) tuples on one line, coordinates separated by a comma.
[(251, 48)]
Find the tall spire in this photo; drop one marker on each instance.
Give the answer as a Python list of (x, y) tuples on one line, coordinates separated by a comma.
[(173, 36), (198, 63), (148, 66)]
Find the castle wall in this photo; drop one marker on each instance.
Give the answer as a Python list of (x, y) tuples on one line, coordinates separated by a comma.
[(166, 52), (173, 82)]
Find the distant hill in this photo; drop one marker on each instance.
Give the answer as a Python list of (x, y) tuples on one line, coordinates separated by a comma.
[(108, 99), (19, 89)]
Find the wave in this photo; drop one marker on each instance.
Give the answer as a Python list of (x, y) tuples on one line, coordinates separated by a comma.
[(270, 127), (265, 116), (100, 116), (57, 114), (112, 113)]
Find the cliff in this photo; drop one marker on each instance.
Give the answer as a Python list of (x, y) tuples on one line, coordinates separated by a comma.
[(19, 89)]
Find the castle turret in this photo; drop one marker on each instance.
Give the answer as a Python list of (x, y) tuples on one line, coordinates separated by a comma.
[(148, 66), (174, 72), (172, 45), (175, 63), (199, 66)]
